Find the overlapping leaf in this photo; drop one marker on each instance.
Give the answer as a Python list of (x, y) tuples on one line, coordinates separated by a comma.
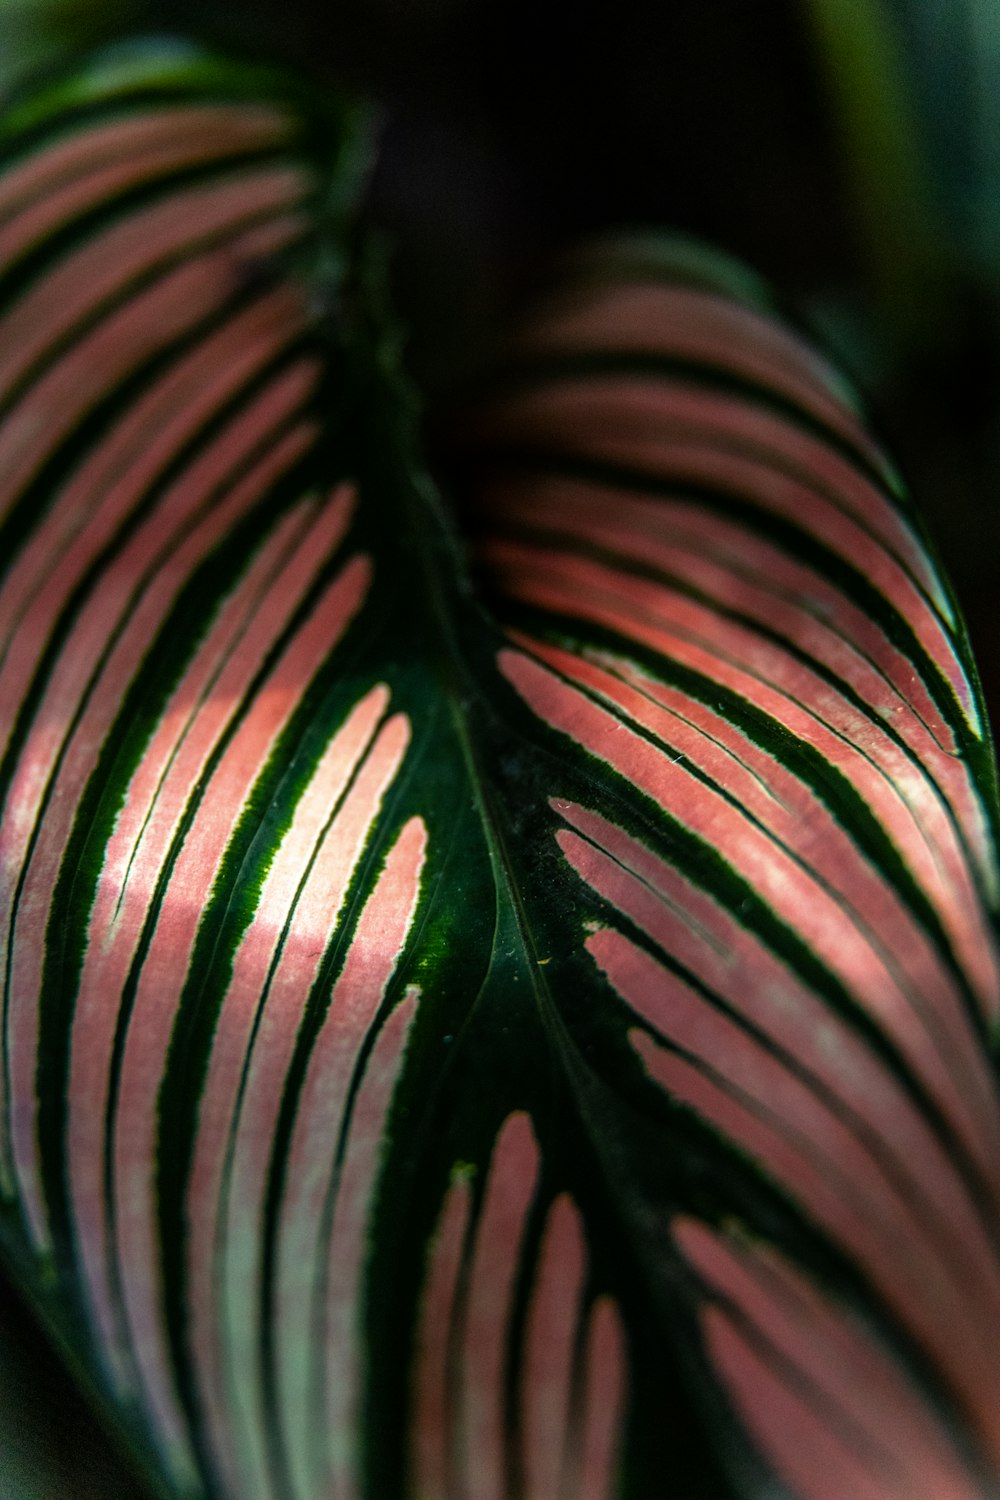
[(514, 1028)]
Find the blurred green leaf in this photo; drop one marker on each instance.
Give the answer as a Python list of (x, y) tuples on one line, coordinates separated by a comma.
[(36, 32)]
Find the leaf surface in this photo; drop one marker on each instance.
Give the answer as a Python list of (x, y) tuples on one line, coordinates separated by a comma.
[(479, 1021)]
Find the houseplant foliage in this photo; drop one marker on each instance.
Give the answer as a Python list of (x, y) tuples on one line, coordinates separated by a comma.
[(498, 990)]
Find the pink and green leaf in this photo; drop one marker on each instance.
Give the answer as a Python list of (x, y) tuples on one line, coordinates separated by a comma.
[(493, 1019)]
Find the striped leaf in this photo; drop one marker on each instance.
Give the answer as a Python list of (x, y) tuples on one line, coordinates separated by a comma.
[(503, 1020)]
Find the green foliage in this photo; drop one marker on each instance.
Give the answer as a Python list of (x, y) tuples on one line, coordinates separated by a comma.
[(500, 982)]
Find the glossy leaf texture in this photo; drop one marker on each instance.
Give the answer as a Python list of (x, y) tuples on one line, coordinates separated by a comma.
[(504, 1022)]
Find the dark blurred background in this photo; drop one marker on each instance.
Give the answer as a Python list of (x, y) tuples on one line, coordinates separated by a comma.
[(846, 151)]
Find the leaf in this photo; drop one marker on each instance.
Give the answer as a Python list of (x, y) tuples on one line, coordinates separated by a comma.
[(912, 91), (877, 124), (511, 1023), (37, 31)]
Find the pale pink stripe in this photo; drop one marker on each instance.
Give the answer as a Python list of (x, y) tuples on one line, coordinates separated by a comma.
[(138, 565), (965, 1091), (675, 604), (209, 694), (147, 240), (173, 305), (547, 1371), (140, 585), (690, 323), (683, 538), (789, 809), (277, 964), (203, 706), (121, 905), (81, 681), (88, 165), (856, 1186), (674, 431), (939, 858), (741, 570), (937, 1315), (165, 969), (119, 472), (214, 1206), (795, 816), (44, 746), (432, 1433), (344, 1328), (102, 181), (482, 1414), (906, 799), (592, 1469), (838, 1356), (801, 1444), (908, 803), (301, 1254), (733, 964), (882, 547), (105, 968)]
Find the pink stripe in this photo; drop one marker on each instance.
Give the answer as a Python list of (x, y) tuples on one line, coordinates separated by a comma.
[(302, 1252), (938, 1315), (734, 965), (145, 560), (856, 1184), (908, 804), (432, 1434), (789, 810), (133, 859), (213, 1201), (143, 162), (740, 570), (800, 1443), (165, 969), (508, 558), (482, 1415), (687, 323), (676, 432), (686, 539), (119, 472), (750, 573), (925, 834), (89, 166), (194, 498), (274, 971), (593, 1465), (171, 306), (344, 1327), (145, 241), (80, 682), (547, 1372), (963, 1090), (782, 803), (839, 1357), (201, 710)]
